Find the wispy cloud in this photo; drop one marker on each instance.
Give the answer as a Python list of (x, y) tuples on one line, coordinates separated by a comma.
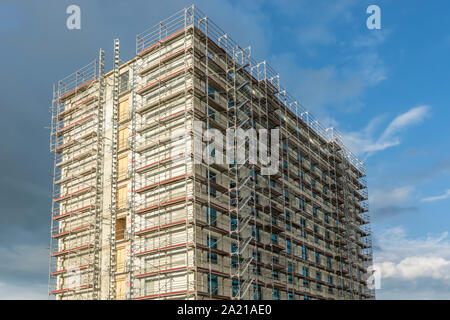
[(446, 195), (364, 142)]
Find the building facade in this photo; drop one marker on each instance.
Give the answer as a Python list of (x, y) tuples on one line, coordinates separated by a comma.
[(134, 216)]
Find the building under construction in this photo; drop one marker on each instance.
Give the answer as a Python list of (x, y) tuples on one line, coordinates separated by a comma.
[(133, 217)]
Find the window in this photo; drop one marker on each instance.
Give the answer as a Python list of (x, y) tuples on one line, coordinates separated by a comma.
[(286, 195), (314, 211), (257, 292), (254, 176), (276, 294), (211, 114), (305, 272), (255, 233), (121, 227), (234, 259), (257, 256), (301, 204), (257, 270), (235, 288), (290, 268), (328, 262), (211, 243), (304, 253), (211, 216), (212, 152), (123, 82), (291, 296), (211, 93), (275, 275), (274, 238), (317, 256), (289, 246), (318, 278), (290, 279), (233, 224), (303, 222), (212, 177), (213, 284)]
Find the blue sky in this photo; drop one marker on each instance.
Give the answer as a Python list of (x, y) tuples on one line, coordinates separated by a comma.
[(385, 90)]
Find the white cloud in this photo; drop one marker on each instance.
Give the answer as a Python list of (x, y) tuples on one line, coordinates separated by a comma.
[(416, 267), (446, 195), (412, 268), (364, 142), (409, 118)]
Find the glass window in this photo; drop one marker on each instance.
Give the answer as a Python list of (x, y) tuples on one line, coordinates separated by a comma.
[(235, 288), (212, 243), (289, 246), (274, 238), (213, 284), (276, 294), (211, 216), (257, 292)]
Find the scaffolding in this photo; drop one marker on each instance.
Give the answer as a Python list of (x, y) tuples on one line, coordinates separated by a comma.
[(199, 230), (77, 145)]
